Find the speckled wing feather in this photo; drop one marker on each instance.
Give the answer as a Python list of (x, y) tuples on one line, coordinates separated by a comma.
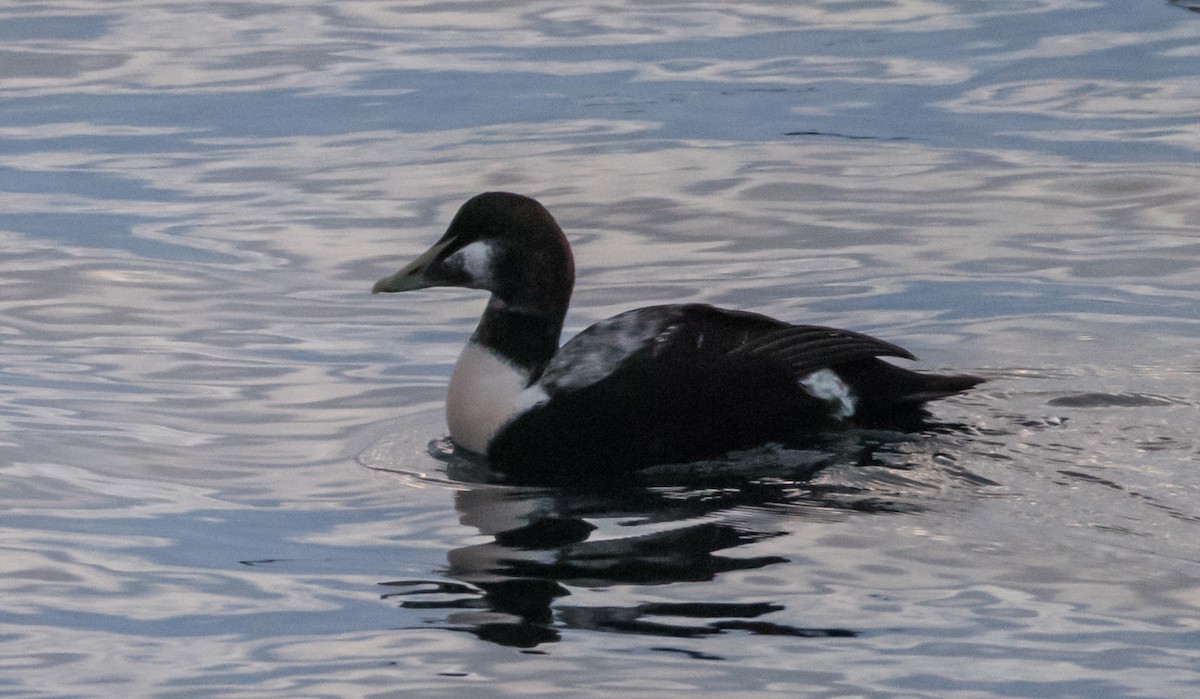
[(600, 349), (809, 348)]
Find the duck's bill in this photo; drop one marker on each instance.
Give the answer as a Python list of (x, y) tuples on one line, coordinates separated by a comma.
[(413, 275)]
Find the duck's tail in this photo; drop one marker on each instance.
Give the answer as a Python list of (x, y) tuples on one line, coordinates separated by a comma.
[(927, 387), (885, 388)]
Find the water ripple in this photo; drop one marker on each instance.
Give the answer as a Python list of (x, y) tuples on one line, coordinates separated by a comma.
[(217, 473)]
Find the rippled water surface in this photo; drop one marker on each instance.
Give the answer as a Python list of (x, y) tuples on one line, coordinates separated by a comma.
[(223, 470)]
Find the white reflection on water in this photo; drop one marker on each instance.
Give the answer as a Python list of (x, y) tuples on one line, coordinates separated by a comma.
[(194, 199)]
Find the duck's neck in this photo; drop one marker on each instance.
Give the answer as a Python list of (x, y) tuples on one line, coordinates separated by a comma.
[(507, 353), (527, 340)]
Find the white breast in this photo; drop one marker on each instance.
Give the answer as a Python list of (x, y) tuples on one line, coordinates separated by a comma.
[(482, 396)]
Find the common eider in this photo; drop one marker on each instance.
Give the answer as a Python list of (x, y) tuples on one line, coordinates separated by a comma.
[(655, 385)]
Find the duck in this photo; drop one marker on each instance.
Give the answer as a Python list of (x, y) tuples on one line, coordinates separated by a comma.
[(658, 385)]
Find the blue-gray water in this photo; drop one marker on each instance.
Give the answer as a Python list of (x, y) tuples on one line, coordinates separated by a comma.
[(220, 471)]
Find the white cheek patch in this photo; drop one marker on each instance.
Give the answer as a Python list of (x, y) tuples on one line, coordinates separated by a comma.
[(475, 260), (827, 385)]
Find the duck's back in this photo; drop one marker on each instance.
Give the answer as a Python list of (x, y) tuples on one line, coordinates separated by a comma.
[(669, 384)]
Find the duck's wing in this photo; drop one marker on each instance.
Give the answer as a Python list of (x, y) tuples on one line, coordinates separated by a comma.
[(706, 335), (809, 348)]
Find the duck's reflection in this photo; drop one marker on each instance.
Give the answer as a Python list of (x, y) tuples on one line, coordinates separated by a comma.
[(510, 590)]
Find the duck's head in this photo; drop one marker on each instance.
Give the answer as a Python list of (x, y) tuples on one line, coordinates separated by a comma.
[(504, 243)]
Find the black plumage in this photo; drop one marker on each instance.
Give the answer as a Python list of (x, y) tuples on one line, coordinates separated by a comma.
[(661, 384)]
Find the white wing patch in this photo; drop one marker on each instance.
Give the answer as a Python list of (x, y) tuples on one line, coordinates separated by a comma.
[(827, 385)]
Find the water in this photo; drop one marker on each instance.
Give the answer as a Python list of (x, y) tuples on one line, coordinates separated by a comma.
[(222, 469)]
